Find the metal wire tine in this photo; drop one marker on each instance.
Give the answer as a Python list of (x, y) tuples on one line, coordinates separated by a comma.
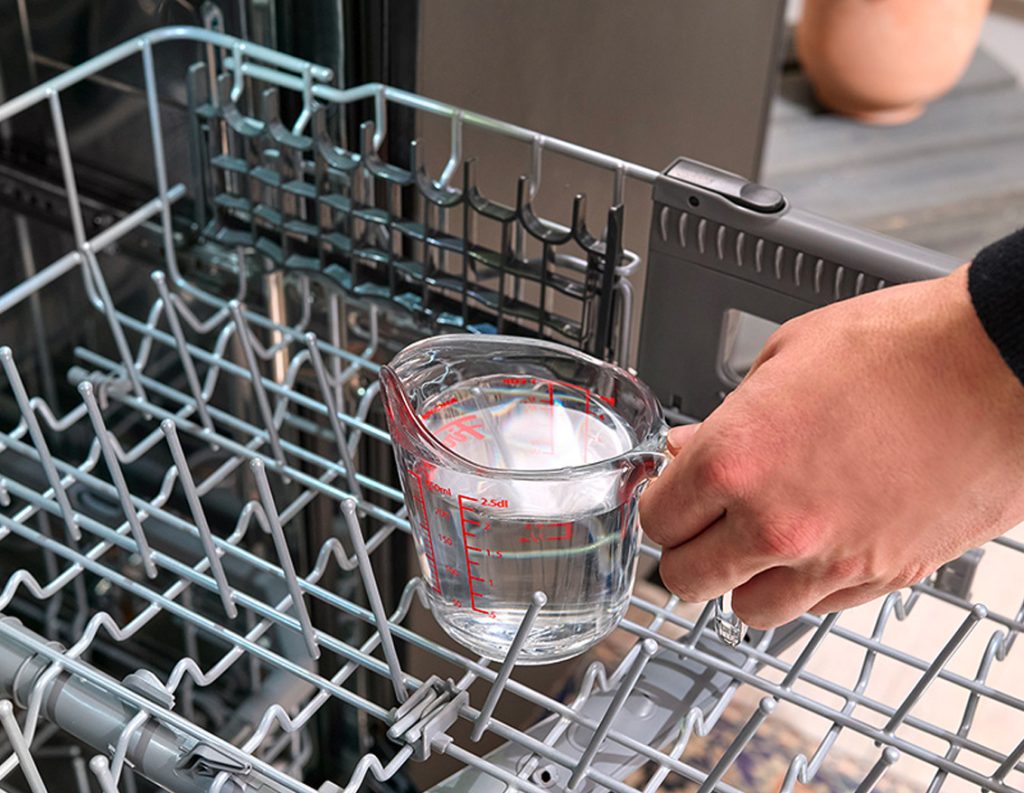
[(101, 770), (159, 161), (977, 613), (20, 747), (658, 617), (739, 743), (117, 476), (130, 370), (701, 624), (888, 758), (121, 750), (380, 617), (273, 525), (186, 357), (649, 647), (483, 719), (199, 516), (1007, 765), (996, 649), (805, 655), (39, 441), (332, 414), (67, 169), (242, 328)]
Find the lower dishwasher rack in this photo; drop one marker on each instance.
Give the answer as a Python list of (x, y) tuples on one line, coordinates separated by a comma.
[(181, 638)]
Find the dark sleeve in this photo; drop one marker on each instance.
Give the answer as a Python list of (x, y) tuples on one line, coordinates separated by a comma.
[(995, 280)]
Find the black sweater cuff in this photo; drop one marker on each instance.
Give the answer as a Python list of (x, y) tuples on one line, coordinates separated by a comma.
[(995, 281)]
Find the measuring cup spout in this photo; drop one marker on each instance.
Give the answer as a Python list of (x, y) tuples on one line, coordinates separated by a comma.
[(400, 414), (407, 430)]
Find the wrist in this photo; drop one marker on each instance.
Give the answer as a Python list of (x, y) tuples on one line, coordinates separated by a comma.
[(995, 284)]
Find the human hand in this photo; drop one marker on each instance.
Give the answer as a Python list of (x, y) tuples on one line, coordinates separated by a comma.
[(872, 441)]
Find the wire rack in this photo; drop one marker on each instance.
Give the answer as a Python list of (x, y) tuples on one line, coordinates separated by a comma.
[(209, 383)]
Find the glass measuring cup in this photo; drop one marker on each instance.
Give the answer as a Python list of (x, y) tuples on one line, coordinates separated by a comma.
[(522, 463)]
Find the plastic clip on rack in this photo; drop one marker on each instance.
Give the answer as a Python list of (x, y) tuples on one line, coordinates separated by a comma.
[(170, 619)]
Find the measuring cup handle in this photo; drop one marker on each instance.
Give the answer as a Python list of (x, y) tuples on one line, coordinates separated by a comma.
[(728, 626)]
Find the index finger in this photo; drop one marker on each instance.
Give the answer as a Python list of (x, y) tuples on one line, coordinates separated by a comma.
[(675, 508)]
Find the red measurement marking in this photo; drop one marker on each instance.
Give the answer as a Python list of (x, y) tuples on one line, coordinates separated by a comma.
[(467, 547), (460, 430), (546, 532), (425, 526), (440, 406), (496, 503)]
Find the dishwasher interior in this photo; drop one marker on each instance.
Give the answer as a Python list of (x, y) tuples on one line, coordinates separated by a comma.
[(208, 582)]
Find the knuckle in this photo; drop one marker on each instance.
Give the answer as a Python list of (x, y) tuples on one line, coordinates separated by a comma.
[(786, 539), (724, 473), (908, 575), (849, 570)]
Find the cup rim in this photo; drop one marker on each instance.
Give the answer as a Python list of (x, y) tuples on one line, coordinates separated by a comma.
[(652, 445)]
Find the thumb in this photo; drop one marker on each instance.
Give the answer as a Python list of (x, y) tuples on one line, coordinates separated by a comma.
[(679, 436)]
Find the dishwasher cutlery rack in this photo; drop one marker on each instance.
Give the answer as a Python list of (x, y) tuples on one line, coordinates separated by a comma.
[(213, 385)]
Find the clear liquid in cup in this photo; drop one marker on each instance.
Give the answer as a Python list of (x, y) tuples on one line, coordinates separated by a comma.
[(488, 544)]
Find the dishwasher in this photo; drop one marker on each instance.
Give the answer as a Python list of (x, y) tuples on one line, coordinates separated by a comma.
[(206, 569)]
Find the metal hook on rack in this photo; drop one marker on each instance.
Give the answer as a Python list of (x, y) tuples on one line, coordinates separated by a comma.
[(536, 154), (380, 118), (455, 157), (238, 80), (307, 101), (618, 184)]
